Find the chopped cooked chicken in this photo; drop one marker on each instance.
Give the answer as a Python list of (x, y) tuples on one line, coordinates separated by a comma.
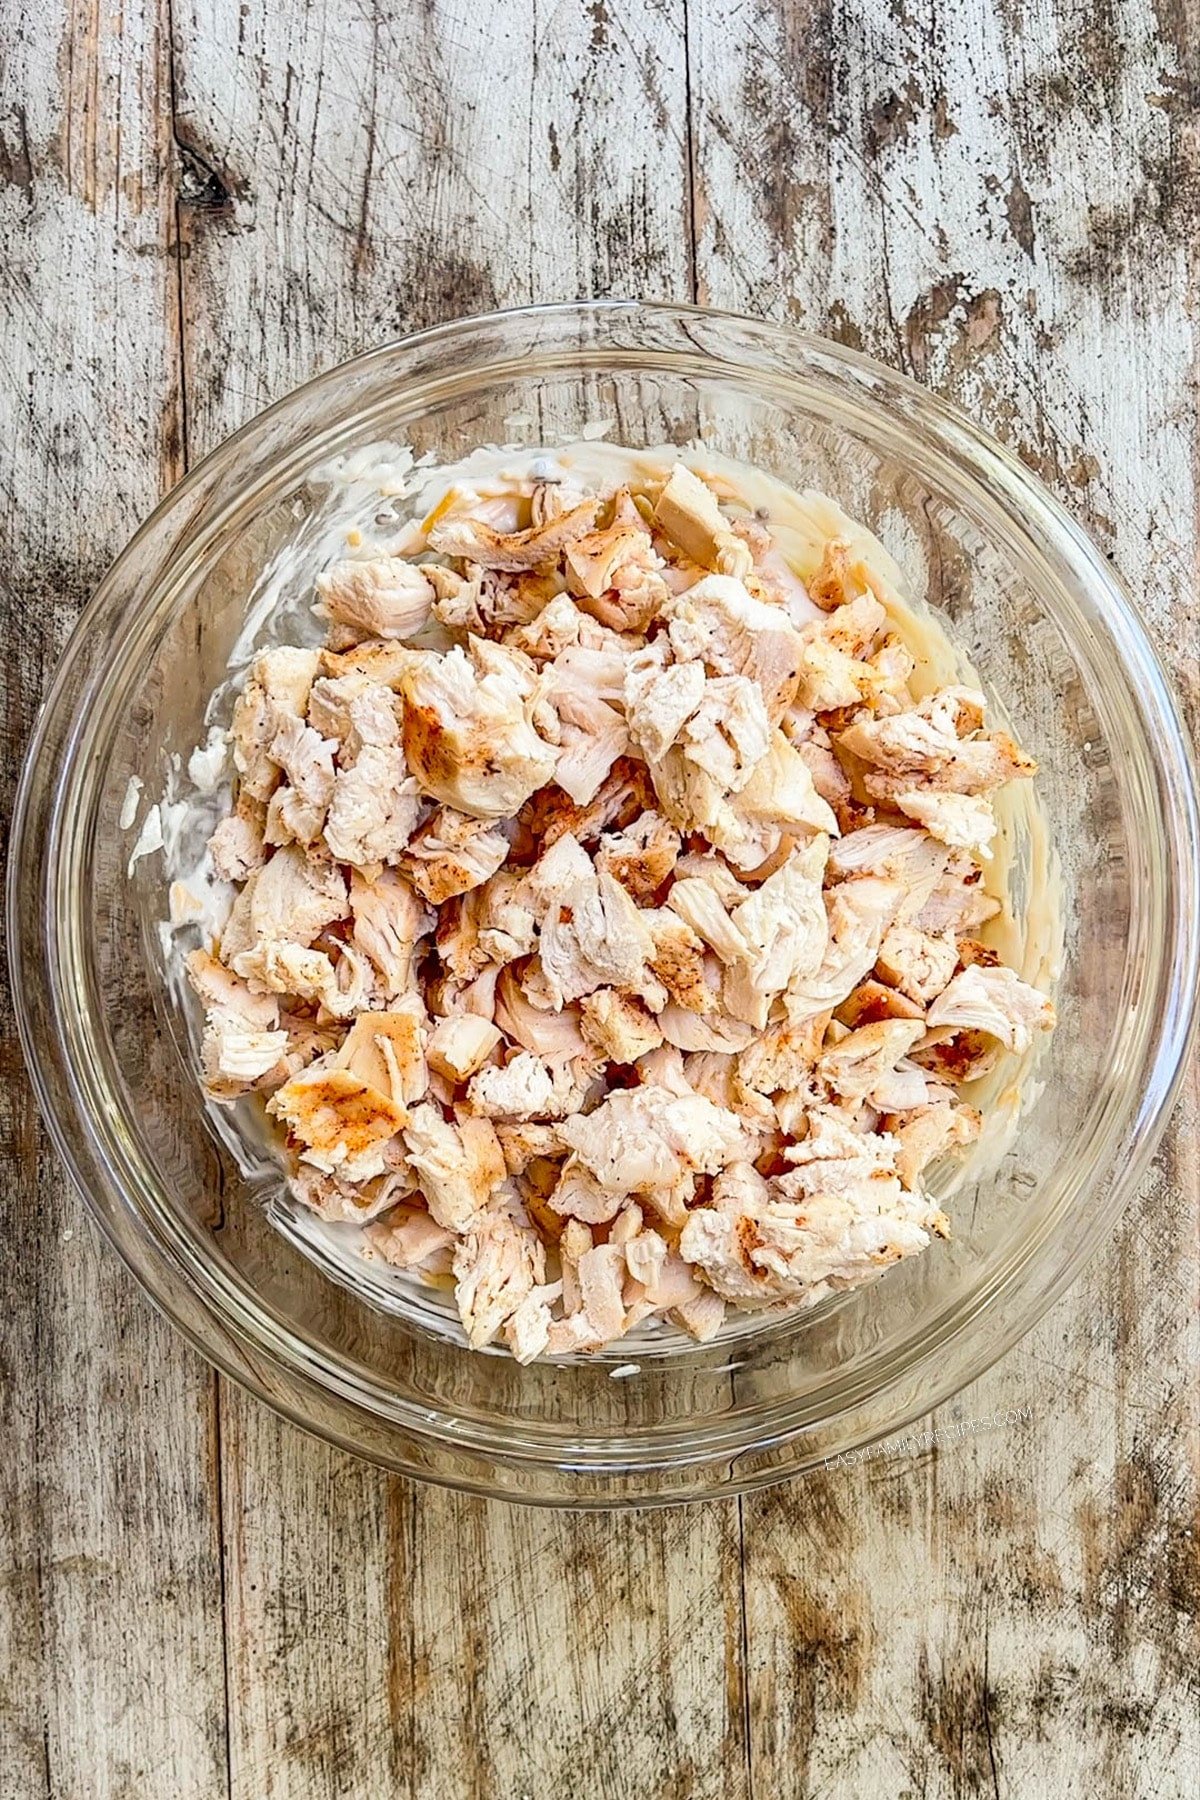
[(917, 963), (409, 1238), (389, 922), (677, 960), (238, 845), (339, 1120), (593, 937), (687, 513), (288, 900), (450, 854), (930, 1133), (965, 821), (994, 1001), (498, 1261), (641, 857), (865, 1060), (457, 1164), (938, 741), (618, 1026), (513, 551), (277, 688), (660, 699), (736, 634), (461, 1044), (374, 808), (642, 1138), (387, 598), (525, 1088), (606, 899), (468, 730), (593, 734)]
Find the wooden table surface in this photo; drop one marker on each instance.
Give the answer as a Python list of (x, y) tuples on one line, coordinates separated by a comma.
[(201, 206)]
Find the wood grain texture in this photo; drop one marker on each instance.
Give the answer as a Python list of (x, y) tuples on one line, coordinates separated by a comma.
[(1002, 201), (111, 1667)]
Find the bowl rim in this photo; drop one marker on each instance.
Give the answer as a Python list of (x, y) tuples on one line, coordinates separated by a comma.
[(1171, 754)]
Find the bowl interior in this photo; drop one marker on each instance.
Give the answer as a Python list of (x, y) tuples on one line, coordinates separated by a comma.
[(1020, 600)]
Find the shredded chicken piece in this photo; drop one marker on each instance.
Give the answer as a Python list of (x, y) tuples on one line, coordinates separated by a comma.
[(386, 598), (450, 854), (994, 1001), (469, 735)]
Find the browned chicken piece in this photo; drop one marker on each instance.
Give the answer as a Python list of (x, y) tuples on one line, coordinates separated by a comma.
[(677, 959), (347, 1202), (457, 1166), (276, 689), (340, 1121), (928, 1135), (844, 575), (641, 857), (783, 1056), (994, 1001), (451, 853), (377, 663), (551, 814), (513, 551), (687, 513), (617, 1026), (385, 598), (872, 1001), (859, 910), (460, 1044), (937, 742), (916, 963), (469, 735), (617, 569)]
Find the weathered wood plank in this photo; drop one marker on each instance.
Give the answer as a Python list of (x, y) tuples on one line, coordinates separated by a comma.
[(367, 177), (110, 1626), (1002, 203)]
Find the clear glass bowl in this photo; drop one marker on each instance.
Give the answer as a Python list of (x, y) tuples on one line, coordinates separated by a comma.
[(1054, 638)]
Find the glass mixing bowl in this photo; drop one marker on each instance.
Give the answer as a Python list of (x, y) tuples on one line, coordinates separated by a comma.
[(1054, 639)]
